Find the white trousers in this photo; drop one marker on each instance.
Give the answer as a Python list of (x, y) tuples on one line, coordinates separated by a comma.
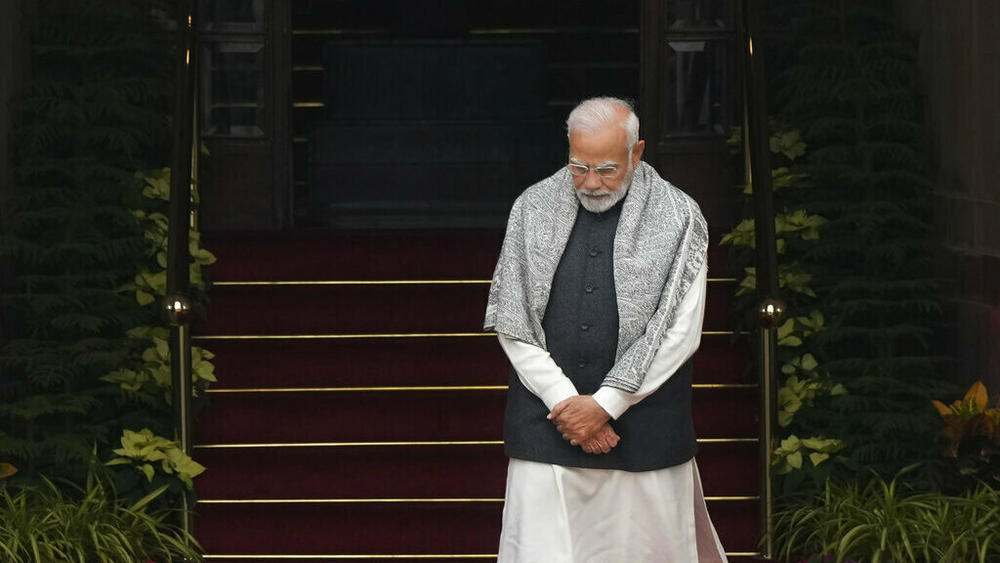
[(556, 514)]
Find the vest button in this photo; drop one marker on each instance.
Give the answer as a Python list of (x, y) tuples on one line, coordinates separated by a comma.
[(584, 326), (581, 365), (589, 288), (594, 252)]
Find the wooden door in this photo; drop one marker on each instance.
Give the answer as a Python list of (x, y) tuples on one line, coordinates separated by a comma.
[(688, 78), (243, 114)]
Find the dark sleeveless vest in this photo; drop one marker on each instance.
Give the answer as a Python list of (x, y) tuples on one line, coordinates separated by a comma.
[(581, 334)]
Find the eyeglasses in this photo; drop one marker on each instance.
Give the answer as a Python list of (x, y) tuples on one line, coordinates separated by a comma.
[(606, 171)]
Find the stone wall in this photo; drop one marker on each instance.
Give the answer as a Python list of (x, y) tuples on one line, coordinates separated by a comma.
[(959, 49)]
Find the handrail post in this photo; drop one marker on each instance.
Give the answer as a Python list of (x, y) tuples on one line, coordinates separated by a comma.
[(176, 303), (771, 309)]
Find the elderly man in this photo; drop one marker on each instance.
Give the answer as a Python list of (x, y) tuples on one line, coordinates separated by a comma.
[(597, 300)]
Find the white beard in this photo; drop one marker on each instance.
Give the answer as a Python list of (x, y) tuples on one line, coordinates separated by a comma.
[(611, 197)]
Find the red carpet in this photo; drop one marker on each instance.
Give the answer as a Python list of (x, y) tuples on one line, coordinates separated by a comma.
[(360, 427)]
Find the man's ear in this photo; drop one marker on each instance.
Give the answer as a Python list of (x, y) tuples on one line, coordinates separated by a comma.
[(637, 149)]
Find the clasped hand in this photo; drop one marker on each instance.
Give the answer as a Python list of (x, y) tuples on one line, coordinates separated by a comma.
[(584, 423)]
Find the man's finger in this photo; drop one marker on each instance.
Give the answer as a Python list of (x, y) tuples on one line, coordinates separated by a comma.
[(558, 408)]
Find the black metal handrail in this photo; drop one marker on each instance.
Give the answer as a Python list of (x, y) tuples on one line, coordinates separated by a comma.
[(176, 302), (771, 309)]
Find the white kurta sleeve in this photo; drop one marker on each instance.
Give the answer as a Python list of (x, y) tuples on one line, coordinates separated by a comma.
[(538, 371), (678, 344)]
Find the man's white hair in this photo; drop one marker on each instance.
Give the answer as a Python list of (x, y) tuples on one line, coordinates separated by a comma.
[(597, 114)]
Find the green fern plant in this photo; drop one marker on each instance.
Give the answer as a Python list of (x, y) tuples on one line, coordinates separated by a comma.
[(93, 113), (853, 93)]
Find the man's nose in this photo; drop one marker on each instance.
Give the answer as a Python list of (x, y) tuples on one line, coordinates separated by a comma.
[(592, 181)]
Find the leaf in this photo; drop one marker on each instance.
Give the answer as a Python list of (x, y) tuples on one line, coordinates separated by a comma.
[(6, 470), (741, 235), (141, 503), (143, 298), (942, 408), (817, 458), (977, 396), (795, 460), (809, 362)]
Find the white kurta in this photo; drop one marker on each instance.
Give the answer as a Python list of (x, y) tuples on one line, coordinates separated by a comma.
[(557, 514)]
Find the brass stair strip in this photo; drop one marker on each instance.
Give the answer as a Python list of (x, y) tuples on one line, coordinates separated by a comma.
[(377, 335), (413, 443), (404, 556), (347, 500), (552, 30), (380, 282), (491, 500), (309, 105), (341, 336), (349, 444), (478, 31), (430, 388), (383, 556), (335, 31), (352, 282), (349, 389)]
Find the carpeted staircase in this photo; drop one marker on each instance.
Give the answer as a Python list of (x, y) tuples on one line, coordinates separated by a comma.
[(358, 411)]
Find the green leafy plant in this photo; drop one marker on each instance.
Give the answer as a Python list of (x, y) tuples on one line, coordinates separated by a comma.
[(852, 91), (150, 283), (52, 522), (85, 356), (146, 452), (94, 111), (145, 379), (804, 384), (883, 521), (154, 377), (971, 438), (793, 452)]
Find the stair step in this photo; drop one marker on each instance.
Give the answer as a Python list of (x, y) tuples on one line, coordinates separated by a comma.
[(373, 308), (348, 309), (459, 471), (326, 255), (415, 416), (408, 361), (374, 255), (395, 527), (363, 528)]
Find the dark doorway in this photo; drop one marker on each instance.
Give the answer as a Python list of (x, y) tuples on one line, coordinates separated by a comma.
[(437, 113)]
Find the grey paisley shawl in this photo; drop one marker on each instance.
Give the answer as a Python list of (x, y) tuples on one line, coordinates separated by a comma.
[(659, 249)]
